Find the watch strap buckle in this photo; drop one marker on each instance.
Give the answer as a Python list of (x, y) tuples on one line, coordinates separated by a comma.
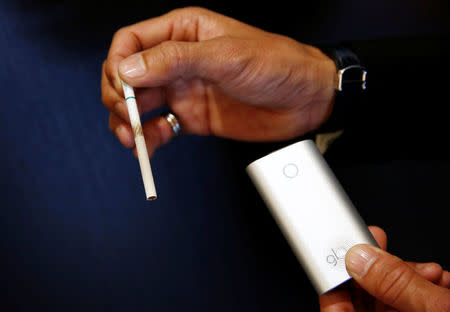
[(354, 75)]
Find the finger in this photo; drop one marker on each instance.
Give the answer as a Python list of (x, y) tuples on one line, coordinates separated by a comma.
[(360, 298), (337, 300), (188, 100), (121, 130), (115, 103), (110, 96), (157, 132), (445, 279), (430, 271), (216, 60), (185, 24), (385, 308), (149, 99), (380, 236), (146, 99), (340, 299), (392, 281), (124, 43)]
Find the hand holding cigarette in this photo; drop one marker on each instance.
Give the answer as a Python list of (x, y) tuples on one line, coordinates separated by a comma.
[(221, 77)]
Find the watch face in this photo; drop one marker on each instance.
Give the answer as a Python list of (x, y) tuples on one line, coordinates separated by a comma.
[(352, 77)]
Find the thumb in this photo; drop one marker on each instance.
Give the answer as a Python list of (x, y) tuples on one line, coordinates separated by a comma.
[(213, 60), (393, 282)]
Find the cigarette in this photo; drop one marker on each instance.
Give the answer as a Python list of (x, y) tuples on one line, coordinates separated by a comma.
[(141, 148)]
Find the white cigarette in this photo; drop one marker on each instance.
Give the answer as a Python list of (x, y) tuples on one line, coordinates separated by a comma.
[(139, 139)]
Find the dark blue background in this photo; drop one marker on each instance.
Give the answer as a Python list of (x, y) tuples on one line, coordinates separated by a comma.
[(75, 230)]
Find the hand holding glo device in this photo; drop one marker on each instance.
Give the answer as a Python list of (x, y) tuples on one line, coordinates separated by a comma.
[(312, 210)]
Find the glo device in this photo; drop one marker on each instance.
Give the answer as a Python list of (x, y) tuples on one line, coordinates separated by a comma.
[(312, 210)]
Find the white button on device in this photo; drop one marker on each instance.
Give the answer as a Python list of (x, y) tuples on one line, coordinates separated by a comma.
[(290, 170)]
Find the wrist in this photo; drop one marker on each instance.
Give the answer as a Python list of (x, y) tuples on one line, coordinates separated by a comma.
[(322, 81)]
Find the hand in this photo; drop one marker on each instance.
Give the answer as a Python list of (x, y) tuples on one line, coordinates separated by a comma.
[(219, 76), (382, 282)]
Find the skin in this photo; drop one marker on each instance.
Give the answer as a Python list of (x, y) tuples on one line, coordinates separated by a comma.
[(220, 76), (417, 286), (226, 78)]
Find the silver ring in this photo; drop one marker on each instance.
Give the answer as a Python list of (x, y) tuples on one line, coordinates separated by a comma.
[(173, 122)]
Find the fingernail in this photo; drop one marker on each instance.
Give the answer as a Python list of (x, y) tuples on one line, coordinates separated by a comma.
[(133, 66), (359, 259)]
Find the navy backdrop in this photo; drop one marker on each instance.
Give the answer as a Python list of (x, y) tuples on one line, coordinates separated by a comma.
[(76, 233)]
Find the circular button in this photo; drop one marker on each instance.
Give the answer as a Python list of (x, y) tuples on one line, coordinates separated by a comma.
[(290, 171)]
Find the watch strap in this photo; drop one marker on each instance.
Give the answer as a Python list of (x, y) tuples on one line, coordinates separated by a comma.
[(350, 73), (342, 56), (350, 86)]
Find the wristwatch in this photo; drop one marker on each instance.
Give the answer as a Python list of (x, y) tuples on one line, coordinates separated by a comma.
[(351, 82), (351, 75)]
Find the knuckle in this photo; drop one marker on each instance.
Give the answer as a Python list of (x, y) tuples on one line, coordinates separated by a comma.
[(395, 283), (120, 33), (106, 99), (191, 10), (231, 47), (109, 68), (171, 55), (241, 60)]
